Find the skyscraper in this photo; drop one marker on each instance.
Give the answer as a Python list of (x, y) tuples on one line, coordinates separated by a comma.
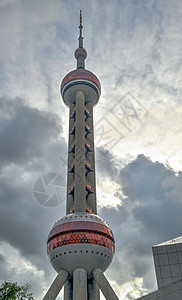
[(168, 267), (81, 245), (168, 261)]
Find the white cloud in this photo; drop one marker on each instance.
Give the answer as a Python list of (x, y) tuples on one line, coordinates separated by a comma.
[(20, 269)]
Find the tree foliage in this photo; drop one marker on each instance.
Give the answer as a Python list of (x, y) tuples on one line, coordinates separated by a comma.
[(13, 291)]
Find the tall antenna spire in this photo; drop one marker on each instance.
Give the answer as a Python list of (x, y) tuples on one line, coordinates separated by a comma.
[(80, 53), (80, 18), (80, 27)]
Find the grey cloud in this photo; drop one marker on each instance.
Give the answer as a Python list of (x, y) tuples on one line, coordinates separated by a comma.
[(120, 214), (12, 274), (140, 178), (105, 163), (5, 268), (150, 214), (26, 132), (154, 192), (31, 145)]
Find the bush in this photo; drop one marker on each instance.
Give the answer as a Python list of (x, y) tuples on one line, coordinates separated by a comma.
[(13, 291)]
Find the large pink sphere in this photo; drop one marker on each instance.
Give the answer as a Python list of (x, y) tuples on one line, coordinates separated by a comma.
[(80, 240)]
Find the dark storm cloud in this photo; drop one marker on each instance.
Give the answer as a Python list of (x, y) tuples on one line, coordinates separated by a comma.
[(23, 131), (154, 192), (145, 179), (105, 162), (4, 268), (31, 145), (150, 214)]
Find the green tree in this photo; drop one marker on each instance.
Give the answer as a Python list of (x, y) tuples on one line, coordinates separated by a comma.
[(13, 291)]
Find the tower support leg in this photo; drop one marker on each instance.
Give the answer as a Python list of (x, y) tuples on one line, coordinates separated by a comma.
[(68, 291), (56, 286), (79, 284), (104, 285), (93, 290)]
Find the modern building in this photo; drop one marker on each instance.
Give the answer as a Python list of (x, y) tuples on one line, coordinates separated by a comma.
[(168, 267), (81, 245), (168, 261), (172, 291)]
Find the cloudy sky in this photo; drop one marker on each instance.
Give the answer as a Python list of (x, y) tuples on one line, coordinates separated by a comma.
[(134, 47)]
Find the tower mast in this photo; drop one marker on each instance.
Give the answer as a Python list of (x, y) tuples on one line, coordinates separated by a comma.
[(80, 27), (81, 245), (81, 158)]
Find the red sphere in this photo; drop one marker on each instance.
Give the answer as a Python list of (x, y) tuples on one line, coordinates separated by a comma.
[(80, 74), (80, 80), (80, 240), (80, 232)]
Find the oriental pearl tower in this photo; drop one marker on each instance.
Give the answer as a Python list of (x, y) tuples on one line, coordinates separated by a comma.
[(81, 245)]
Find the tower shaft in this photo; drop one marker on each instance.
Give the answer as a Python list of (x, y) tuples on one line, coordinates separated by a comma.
[(81, 195), (80, 192)]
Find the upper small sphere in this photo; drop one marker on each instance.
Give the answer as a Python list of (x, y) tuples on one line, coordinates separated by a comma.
[(80, 80), (80, 51)]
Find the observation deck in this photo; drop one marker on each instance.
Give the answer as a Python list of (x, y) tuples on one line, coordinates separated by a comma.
[(80, 80)]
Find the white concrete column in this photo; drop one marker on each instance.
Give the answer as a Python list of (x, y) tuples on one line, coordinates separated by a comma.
[(93, 290), (70, 177), (81, 62), (91, 199), (79, 284), (80, 191), (68, 291), (104, 285), (56, 286)]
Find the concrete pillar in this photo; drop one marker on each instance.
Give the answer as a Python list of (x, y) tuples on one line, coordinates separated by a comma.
[(80, 191), (56, 286), (104, 285), (69, 203), (68, 291), (91, 199), (81, 62), (93, 290), (79, 284)]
